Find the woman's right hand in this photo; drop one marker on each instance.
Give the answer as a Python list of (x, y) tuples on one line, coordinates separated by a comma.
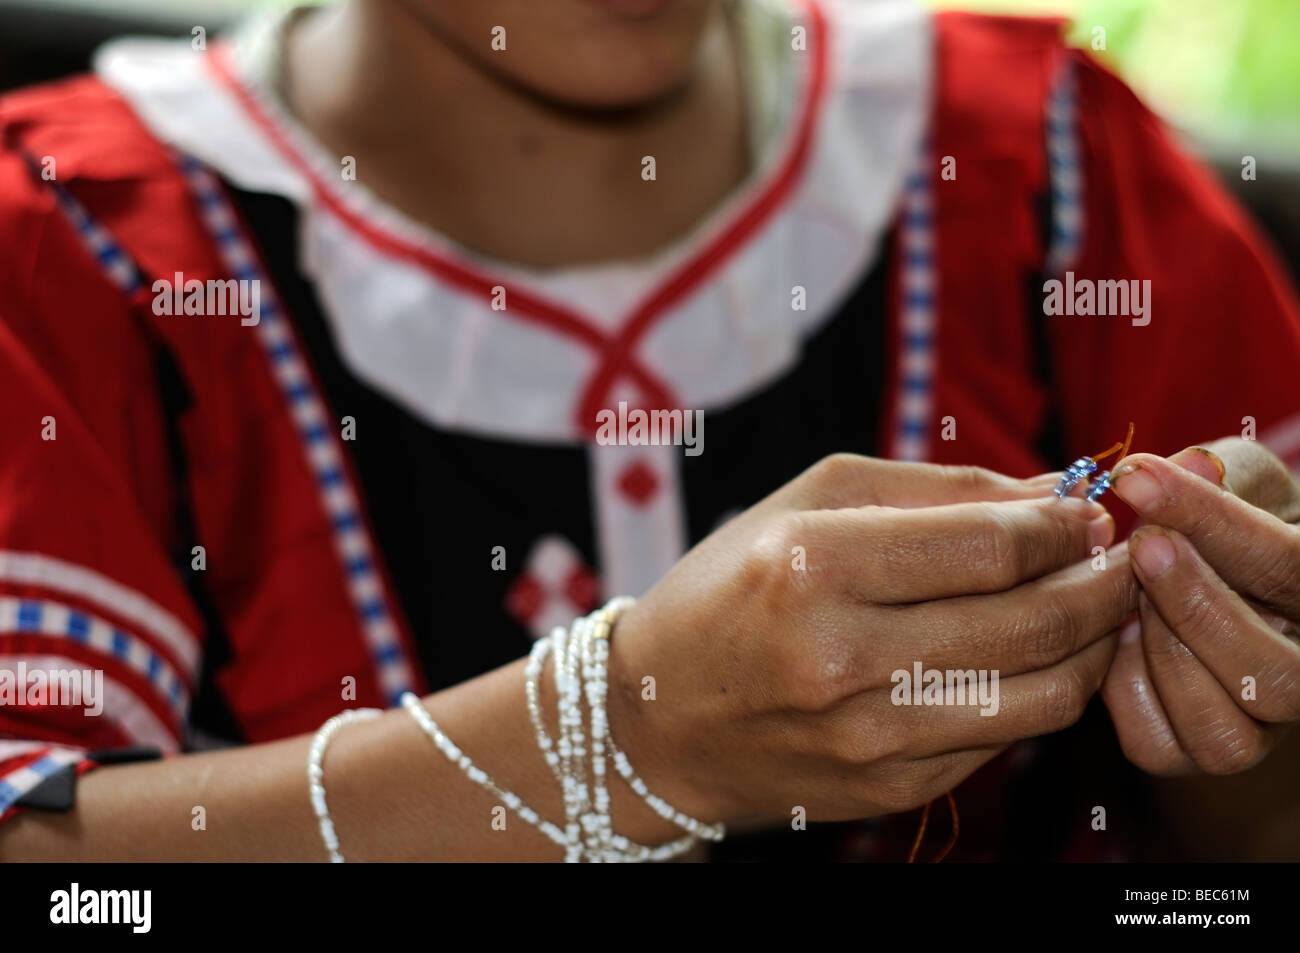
[(772, 643)]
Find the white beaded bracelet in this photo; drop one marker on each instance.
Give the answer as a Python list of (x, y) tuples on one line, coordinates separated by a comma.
[(573, 847), (581, 662), (316, 773), (588, 639), (604, 620), (593, 636), (476, 774), (709, 832), (618, 848)]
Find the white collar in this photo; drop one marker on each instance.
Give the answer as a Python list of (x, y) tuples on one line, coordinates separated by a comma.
[(411, 325)]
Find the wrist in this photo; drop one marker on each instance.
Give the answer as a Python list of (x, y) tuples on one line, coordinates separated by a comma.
[(654, 735)]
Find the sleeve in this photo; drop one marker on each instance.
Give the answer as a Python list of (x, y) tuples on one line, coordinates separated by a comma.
[(1217, 352), (99, 639)]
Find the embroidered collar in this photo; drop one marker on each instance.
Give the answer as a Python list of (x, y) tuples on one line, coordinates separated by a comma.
[(699, 325)]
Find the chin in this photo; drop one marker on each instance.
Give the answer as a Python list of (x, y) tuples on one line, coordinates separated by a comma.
[(585, 54), (596, 86)]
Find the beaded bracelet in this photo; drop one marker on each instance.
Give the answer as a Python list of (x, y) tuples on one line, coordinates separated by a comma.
[(605, 619), (316, 773), (581, 663), (589, 639), (476, 774), (614, 847)]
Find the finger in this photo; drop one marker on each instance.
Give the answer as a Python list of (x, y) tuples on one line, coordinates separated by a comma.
[(1145, 734), (1023, 706), (961, 710), (1205, 463), (898, 556), (1225, 634), (923, 779), (1033, 626), (883, 786), (1255, 474), (1216, 734), (1252, 550), (846, 479)]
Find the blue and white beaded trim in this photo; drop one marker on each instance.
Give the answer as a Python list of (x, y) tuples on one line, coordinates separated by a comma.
[(17, 783), (319, 442), (41, 617), (112, 258), (320, 447), (1066, 173), (914, 401)]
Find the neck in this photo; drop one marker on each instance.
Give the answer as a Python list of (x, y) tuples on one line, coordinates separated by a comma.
[(498, 168)]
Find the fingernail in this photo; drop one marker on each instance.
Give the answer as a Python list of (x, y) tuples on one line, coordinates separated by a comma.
[(1135, 486), (1101, 532), (1204, 463), (1153, 551)]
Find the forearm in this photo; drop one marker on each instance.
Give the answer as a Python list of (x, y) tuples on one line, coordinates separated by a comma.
[(392, 795)]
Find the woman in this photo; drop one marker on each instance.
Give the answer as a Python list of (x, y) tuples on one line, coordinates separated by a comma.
[(308, 337)]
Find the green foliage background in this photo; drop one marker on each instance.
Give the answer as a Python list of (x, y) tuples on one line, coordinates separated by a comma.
[(1226, 71)]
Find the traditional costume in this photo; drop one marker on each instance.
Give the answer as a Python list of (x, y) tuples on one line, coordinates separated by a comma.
[(390, 479)]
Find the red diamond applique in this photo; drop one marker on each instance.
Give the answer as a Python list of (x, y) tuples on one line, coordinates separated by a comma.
[(583, 588), (554, 587), (638, 483), (525, 597)]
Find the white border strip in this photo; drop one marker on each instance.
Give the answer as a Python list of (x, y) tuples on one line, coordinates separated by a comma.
[(122, 706), (133, 606)]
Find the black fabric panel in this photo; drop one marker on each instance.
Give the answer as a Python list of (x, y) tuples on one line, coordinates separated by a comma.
[(209, 715), (439, 501), (828, 403)]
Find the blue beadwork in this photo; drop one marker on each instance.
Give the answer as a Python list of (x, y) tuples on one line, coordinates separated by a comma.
[(1099, 486), (1076, 471)]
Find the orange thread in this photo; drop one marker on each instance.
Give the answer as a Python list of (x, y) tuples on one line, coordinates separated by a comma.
[(920, 834), (956, 827), (925, 821), (1128, 441), (1102, 456), (1122, 447)]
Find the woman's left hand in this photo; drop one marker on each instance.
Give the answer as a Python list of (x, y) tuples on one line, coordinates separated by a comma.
[(1207, 677)]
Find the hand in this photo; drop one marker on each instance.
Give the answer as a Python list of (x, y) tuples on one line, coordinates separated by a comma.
[(773, 682), (1208, 676)]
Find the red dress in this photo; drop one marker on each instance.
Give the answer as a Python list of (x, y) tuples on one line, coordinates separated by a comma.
[(130, 438)]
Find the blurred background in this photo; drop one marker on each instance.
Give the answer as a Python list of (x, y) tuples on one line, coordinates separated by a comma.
[(1225, 74)]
